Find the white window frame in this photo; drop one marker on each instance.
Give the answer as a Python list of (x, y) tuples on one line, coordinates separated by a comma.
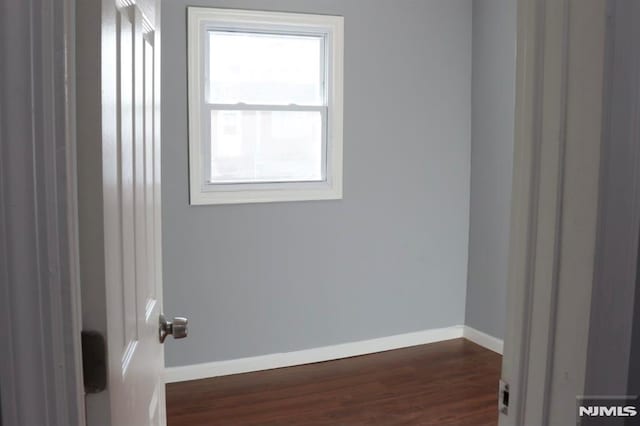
[(202, 20)]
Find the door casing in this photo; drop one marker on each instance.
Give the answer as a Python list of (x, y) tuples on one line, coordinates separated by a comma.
[(40, 359)]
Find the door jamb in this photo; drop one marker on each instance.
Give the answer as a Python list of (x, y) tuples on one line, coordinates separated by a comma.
[(549, 59), (38, 211)]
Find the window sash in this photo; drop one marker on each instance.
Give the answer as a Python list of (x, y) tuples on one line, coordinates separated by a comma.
[(255, 107), (202, 19), (284, 30), (208, 186)]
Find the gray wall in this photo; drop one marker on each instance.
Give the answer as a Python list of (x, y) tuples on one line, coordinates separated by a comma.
[(389, 258), (493, 102)]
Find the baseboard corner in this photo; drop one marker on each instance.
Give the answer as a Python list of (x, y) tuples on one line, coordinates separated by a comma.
[(483, 339)]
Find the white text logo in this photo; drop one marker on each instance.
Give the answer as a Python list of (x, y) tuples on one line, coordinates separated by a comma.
[(608, 411)]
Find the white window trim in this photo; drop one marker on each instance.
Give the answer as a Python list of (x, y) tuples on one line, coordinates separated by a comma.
[(199, 21)]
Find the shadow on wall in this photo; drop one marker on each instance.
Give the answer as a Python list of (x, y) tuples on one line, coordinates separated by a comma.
[(492, 131)]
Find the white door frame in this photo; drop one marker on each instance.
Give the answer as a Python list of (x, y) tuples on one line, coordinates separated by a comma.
[(568, 198), (40, 359), (614, 290)]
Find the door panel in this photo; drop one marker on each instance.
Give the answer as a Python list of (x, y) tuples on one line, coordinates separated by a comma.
[(126, 171)]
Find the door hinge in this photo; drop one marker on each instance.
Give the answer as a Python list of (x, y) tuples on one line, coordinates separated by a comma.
[(94, 362), (503, 397)]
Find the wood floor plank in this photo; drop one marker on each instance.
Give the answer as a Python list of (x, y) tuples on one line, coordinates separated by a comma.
[(445, 383)]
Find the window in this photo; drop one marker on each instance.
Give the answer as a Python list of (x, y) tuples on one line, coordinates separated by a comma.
[(265, 106)]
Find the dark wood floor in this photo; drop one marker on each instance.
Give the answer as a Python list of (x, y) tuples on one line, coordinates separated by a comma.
[(446, 383)]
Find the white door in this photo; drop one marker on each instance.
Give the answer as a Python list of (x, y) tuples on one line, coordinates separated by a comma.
[(119, 198)]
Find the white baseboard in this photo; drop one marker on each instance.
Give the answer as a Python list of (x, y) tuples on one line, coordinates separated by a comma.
[(308, 356), (328, 353), (483, 339)]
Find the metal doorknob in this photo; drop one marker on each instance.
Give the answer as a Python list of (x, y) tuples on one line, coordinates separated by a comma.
[(177, 328)]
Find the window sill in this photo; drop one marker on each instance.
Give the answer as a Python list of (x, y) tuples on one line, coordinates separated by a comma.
[(265, 196)]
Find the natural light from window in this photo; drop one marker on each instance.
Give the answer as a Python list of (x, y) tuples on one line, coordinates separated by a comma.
[(265, 69), (265, 106), (266, 146), (263, 142)]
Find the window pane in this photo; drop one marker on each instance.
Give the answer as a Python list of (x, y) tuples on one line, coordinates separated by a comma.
[(266, 146), (265, 69)]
